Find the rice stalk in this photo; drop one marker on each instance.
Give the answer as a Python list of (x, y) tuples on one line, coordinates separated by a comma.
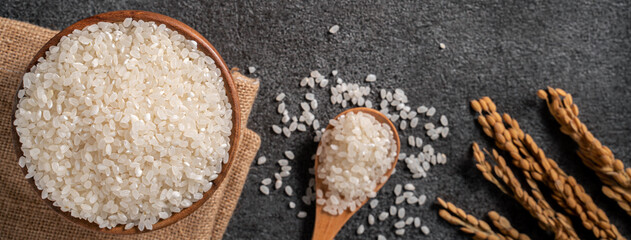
[(470, 224), (502, 176), (599, 158), (532, 160), (502, 224)]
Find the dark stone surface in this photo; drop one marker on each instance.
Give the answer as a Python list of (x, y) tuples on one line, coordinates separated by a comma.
[(503, 49)]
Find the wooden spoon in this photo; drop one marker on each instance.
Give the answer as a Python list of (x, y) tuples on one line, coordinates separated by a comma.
[(327, 225), (204, 46)]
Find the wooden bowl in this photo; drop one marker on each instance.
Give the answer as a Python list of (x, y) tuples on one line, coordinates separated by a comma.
[(204, 46)]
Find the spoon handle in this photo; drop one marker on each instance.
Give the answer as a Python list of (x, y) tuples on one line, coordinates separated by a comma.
[(327, 225)]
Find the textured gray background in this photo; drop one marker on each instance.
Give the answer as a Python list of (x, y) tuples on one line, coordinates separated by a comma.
[(503, 49)]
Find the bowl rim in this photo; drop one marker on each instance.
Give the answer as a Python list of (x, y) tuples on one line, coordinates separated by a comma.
[(203, 45)]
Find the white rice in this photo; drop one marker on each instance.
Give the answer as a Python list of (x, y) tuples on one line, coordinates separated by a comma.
[(374, 203), (266, 181), (280, 97), (419, 142), (371, 78), (431, 111), (289, 191), (290, 155), (397, 189), (422, 199), (334, 29), (360, 229), (352, 176), (261, 160), (283, 162), (383, 216), (286, 132), (425, 230), (114, 134), (443, 120), (281, 108), (414, 122), (401, 213), (264, 189)]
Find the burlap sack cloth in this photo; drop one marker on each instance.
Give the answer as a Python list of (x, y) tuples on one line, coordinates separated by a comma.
[(24, 216)]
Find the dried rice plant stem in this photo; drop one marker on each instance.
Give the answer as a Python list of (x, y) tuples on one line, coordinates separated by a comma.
[(532, 160), (502, 176), (478, 228), (611, 171)]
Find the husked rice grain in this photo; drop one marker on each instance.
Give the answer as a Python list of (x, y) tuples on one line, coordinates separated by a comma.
[(371, 78), (425, 230), (264, 189), (266, 181), (374, 203), (419, 142), (397, 189), (277, 129), (383, 216), (280, 97), (422, 199), (360, 229), (401, 213), (334, 29), (414, 122), (289, 191), (443, 120), (261, 160), (290, 155)]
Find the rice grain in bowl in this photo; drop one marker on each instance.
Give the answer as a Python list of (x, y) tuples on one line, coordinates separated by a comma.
[(126, 119)]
